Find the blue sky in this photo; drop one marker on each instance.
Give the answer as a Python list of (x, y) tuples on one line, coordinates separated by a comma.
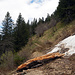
[(29, 9), (32, 1), (0, 26)]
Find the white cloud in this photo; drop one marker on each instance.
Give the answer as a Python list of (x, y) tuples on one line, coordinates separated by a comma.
[(27, 9)]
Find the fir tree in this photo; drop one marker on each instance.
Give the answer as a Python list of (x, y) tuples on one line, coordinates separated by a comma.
[(66, 10), (48, 18), (6, 38), (33, 26), (21, 33), (7, 25)]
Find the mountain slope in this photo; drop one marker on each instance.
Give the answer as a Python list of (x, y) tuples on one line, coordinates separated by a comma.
[(59, 66), (38, 46)]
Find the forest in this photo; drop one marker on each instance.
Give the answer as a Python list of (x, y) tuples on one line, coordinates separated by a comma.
[(15, 36)]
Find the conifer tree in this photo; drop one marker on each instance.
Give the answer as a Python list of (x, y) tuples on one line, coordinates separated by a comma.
[(7, 25), (66, 10), (6, 38), (21, 33), (48, 18), (33, 26), (41, 20)]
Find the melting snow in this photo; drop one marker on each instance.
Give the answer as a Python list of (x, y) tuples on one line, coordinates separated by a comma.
[(68, 43)]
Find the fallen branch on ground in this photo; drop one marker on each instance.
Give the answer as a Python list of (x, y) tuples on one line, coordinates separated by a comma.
[(38, 60)]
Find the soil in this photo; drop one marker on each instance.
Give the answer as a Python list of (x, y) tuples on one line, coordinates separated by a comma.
[(60, 66)]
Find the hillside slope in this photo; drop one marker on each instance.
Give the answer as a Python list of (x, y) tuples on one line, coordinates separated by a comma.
[(50, 37), (45, 44)]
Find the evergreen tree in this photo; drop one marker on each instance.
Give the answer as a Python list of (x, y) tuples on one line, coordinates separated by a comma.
[(7, 25), (66, 10), (28, 28), (33, 26), (48, 18), (21, 33), (6, 43), (41, 20)]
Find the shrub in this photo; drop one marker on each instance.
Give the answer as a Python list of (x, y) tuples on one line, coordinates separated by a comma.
[(18, 59), (7, 60)]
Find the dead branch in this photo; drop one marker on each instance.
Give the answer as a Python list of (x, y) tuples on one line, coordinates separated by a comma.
[(38, 60)]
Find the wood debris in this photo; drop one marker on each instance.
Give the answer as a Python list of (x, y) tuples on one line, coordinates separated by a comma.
[(38, 60)]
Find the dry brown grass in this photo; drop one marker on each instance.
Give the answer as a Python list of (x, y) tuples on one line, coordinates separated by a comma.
[(48, 40)]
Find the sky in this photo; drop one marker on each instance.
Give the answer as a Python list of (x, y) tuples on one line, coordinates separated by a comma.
[(29, 9)]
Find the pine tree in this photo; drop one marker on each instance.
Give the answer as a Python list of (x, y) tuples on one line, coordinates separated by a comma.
[(21, 33), (28, 28), (33, 26), (41, 20), (7, 25), (48, 18), (66, 10), (7, 39)]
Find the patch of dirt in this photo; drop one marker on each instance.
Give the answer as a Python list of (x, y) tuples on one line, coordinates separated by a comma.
[(30, 72), (63, 66), (60, 66), (35, 72)]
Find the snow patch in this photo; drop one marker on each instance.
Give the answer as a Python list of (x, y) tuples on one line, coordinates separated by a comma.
[(66, 46)]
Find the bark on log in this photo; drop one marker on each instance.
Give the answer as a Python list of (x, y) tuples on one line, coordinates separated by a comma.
[(38, 60)]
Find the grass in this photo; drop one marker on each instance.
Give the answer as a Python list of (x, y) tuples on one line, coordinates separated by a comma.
[(55, 34)]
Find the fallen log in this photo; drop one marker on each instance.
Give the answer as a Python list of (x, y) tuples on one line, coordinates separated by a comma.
[(38, 60)]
